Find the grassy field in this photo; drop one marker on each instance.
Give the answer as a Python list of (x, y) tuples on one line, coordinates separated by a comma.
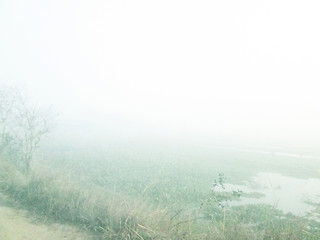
[(170, 175), (156, 192)]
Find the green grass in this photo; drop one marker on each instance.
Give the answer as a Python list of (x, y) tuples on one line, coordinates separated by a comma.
[(154, 194), (168, 176), (105, 214)]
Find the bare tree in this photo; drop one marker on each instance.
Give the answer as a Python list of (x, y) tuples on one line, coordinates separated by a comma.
[(22, 126), (7, 118)]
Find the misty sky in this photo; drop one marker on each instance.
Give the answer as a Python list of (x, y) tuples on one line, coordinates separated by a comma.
[(222, 68)]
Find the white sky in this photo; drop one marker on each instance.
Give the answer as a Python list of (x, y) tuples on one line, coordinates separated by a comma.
[(228, 68)]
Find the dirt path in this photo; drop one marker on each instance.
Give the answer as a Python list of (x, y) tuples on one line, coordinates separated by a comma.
[(19, 225)]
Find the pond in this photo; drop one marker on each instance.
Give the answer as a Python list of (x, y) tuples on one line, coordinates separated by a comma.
[(288, 194)]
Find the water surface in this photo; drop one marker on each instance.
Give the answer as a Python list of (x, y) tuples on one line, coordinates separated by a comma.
[(288, 194)]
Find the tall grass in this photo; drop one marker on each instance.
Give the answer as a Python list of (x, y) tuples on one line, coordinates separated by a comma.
[(110, 215)]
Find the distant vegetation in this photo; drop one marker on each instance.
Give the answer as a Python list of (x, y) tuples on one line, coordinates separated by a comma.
[(120, 193)]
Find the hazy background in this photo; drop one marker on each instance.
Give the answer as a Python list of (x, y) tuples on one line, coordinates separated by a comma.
[(229, 70)]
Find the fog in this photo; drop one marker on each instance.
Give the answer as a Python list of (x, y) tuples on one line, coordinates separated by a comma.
[(171, 119), (232, 70)]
